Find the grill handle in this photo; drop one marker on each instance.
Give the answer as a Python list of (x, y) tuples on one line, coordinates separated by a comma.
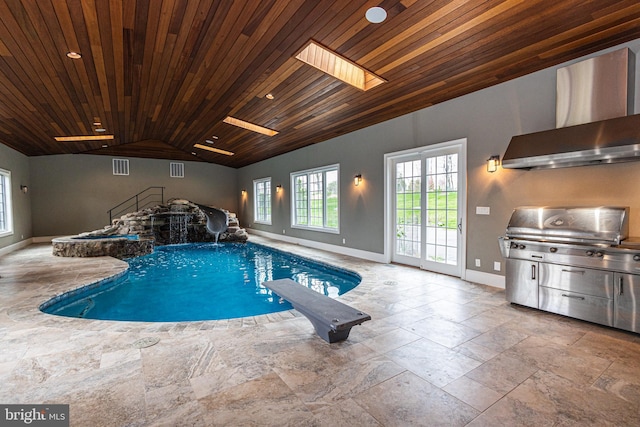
[(573, 296), (533, 272)]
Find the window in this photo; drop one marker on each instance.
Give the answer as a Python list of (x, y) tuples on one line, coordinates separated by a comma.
[(262, 201), (315, 199), (6, 220)]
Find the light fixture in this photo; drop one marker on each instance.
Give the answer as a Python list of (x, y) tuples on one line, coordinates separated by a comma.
[(24, 189), (492, 163), (269, 96), (82, 138), (215, 150), (376, 15), (244, 192), (357, 180), (74, 55), (278, 188), (249, 126), (339, 67)]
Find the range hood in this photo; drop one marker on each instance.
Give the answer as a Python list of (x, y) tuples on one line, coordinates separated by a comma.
[(593, 98), (606, 141)]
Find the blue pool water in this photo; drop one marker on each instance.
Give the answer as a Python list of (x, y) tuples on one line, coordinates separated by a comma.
[(200, 282)]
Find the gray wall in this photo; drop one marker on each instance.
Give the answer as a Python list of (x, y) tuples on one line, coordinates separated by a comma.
[(488, 119), (72, 193), (18, 165)]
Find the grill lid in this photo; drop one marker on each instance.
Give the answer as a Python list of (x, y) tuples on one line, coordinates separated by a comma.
[(600, 225)]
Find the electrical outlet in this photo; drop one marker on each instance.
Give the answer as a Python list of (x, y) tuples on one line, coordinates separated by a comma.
[(478, 262), (496, 265), (284, 232), (344, 241)]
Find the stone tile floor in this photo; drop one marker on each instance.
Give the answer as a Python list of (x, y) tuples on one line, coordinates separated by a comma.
[(439, 351)]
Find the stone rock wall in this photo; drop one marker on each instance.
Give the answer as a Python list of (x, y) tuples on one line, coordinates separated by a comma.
[(179, 221)]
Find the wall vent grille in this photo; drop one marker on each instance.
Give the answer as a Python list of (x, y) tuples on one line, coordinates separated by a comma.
[(176, 170), (121, 166)]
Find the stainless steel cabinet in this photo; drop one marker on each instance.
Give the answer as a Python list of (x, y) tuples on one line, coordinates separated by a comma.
[(522, 288), (598, 296), (627, 302)]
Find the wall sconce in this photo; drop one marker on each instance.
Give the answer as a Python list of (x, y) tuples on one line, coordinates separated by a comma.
[(24, 189), (244, 192), (278, 188), (492, 163), (357, 180)]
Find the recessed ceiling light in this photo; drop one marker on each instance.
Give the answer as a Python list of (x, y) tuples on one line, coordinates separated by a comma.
[(376, 15), (82, 138), (101, 130), (269, 96), (104, 145), (339, 67), (215, 150), (195, 154), (97, 124), (208, 141), (250, 126), (74, 55), (214, 137)]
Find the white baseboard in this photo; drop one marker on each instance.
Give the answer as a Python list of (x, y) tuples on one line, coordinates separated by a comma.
[(488, 279), (14, 247), (356, 253), (44, 239), (474, 276)]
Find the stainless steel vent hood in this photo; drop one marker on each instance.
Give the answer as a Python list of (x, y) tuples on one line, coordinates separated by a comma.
[(597, 93)]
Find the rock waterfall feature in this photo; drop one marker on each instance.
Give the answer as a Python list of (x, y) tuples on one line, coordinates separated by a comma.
[(136, 233)]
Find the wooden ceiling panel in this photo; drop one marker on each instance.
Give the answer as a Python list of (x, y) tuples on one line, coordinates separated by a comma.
[(161, 75)]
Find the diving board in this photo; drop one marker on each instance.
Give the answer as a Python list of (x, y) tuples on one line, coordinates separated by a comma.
[(331, 319)]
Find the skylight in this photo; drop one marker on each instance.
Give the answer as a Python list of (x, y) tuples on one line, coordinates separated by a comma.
[(214, 149), (82, 138), (339, 67), (250, 126)]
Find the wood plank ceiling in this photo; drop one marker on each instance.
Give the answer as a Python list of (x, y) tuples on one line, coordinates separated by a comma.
[(161, 75)]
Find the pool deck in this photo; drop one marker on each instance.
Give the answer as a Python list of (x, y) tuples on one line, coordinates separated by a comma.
[(438, 351)]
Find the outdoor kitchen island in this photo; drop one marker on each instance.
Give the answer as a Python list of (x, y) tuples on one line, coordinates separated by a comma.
[(574, 261)]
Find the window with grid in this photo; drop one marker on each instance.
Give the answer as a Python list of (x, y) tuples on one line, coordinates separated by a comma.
[(408, 208), (262, 201), (6, 223), (315, 199)]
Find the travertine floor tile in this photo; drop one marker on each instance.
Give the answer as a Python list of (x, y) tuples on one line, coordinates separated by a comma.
[(439, 351)]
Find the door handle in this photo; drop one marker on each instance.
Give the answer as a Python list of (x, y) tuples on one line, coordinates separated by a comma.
[(620, 290), (460, 225)]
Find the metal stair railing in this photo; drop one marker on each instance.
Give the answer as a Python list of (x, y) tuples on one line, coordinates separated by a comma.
[(143, 199)]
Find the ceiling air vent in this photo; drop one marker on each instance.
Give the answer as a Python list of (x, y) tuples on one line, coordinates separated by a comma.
[(121, 166), (176, 170)]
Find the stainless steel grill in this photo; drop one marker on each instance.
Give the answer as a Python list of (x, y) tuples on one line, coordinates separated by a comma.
[(574, 261)]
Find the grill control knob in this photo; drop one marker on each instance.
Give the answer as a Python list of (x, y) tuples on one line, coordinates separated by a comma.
[(514, 245), (599, 254), (522, 246), (553, 250), (636, 257), (589, 253)]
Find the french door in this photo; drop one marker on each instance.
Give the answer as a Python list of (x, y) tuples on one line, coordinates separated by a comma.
[(428, 202)]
